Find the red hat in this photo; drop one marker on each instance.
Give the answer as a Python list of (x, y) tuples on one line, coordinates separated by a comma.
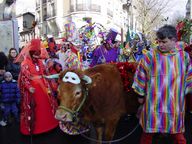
[(35, 45)]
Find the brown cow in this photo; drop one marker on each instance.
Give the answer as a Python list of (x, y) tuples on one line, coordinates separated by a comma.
[(97, 94)]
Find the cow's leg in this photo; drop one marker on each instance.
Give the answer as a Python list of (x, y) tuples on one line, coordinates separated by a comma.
[(110, 127), (99, 131)]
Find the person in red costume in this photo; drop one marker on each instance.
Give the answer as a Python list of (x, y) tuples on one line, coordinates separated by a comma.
[(37, 103)]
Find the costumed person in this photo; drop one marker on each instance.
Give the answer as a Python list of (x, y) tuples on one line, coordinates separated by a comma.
[(70, 30), (9, 99), (38, 105), (61, 53), (138, 46), (125, 53), (188, 49), (106, 53), (71, 58), (53, 67), (162, 78), (12, 67), (184, 33), (52, 46)]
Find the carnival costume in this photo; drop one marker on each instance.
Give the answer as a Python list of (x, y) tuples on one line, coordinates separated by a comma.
[(103, 54), (38, 108), (164, 108)]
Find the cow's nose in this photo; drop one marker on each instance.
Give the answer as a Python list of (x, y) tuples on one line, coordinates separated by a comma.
[(60, 117), (66, 117)]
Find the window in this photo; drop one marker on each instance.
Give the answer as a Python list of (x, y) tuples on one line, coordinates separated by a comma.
[(83, 5), (24, 24), (45, 10), (45, 17), (52, 9), (37, 3), (72, 5)]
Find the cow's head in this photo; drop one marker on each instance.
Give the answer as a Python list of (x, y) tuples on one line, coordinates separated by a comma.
[(72, 93)]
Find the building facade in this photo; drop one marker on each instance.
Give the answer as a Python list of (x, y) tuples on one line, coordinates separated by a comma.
[(188, 9), (53, 15)]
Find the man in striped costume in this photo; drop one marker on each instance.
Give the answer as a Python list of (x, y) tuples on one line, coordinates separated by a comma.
[(162, 79)]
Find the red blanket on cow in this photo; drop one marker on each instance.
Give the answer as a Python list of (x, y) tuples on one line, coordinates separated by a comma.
[(127, 70)]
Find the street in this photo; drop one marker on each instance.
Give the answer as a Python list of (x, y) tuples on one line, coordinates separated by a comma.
[(11, 135)]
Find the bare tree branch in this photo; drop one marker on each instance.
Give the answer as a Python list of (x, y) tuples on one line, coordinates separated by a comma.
[(149, 13)]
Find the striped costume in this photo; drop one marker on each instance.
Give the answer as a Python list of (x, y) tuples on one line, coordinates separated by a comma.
[(164, 79)]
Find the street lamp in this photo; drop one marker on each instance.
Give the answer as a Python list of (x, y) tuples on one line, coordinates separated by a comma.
[(127, 5)]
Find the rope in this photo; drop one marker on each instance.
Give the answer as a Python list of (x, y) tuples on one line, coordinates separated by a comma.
[(31, 139), (112, 141)]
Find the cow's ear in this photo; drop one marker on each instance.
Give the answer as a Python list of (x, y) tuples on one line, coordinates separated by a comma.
[(95, 79)]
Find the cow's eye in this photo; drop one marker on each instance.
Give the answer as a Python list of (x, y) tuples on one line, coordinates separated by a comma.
[(77, 94), (66, 77), (73, 78)]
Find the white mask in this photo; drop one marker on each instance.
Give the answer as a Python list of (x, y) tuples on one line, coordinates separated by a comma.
[(72, 78)]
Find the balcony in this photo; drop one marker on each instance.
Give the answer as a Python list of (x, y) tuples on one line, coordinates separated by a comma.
[(51, 1)]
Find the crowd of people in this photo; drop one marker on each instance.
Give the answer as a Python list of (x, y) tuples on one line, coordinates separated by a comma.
[(163, 79)]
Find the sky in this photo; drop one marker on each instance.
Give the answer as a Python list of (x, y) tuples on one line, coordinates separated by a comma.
[(177, 7), (25, 6)]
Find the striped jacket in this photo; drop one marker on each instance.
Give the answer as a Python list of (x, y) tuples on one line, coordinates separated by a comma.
[(164, 79)]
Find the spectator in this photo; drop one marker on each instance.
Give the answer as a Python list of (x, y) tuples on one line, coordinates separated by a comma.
[(3, 63), (12, 67)]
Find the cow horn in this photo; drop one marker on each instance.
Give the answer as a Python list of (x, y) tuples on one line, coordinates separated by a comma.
[(87, 79), (52, 76)]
